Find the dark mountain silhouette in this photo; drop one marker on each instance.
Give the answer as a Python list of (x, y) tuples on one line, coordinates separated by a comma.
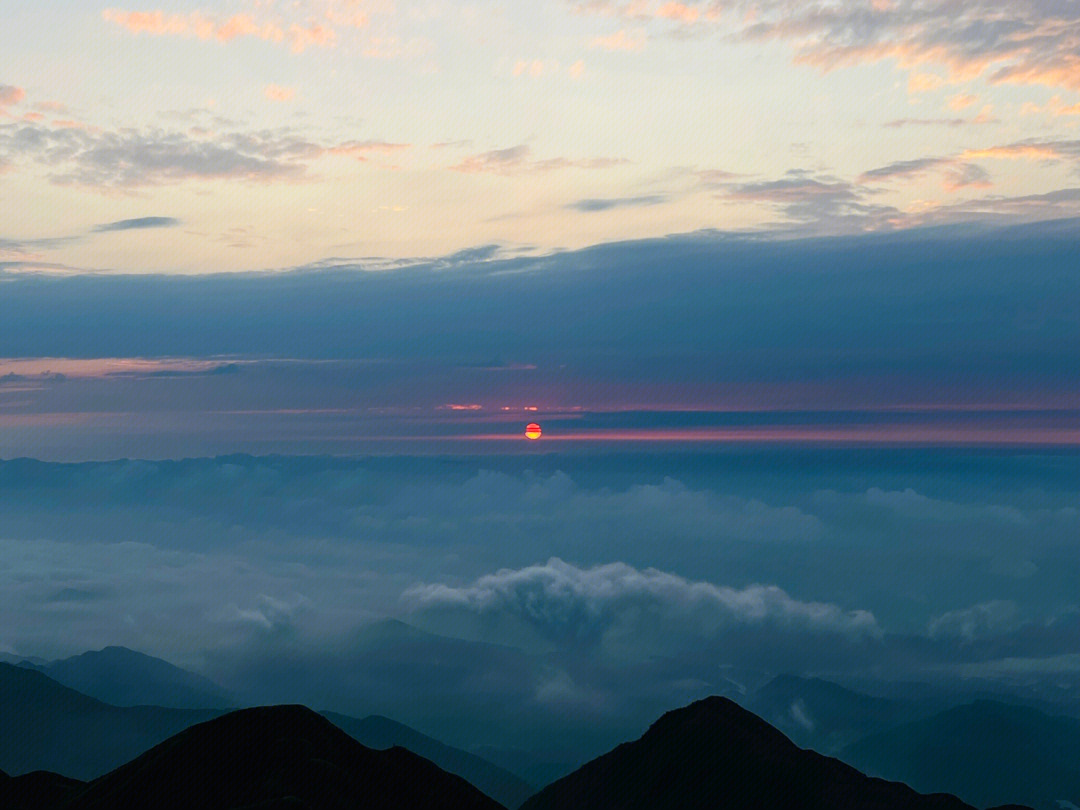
[(39, 790), (123, 677), (381, 733), (714, 753), (986, 752), (824, 716), (47, 726), (276, 757)]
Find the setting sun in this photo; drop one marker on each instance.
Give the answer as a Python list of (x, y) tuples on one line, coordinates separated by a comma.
[(532, 431)]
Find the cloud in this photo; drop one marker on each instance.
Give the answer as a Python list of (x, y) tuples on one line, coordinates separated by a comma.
[(1054, 107), (606, 204), (955, 173), (1032, 149), (958, 170), (684, 14), (621, 40), (132, 157), (977, 622), (924, 82), (137, 224), (805, 197), (519, 159), (10, 94), (276, 92), (299, 36), (965, 175), (569, 605), (277, 616), (897, 123), (534, 67), (1031, 42)]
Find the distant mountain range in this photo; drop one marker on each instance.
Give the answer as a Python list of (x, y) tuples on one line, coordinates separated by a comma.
[(985, 752), (47, 726), (124, 677), (712, 753), (382, 733), (825, 717)]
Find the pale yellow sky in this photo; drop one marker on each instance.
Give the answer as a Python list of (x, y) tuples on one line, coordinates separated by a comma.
[(255, 134)]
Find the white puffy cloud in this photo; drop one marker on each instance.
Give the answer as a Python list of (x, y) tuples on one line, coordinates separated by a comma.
[(607, 604)]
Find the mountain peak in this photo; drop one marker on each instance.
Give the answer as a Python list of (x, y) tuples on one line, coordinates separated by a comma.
[(715, 752), (125, 677), (267, 755)]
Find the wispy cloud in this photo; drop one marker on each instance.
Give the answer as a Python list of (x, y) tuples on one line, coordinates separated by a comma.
[(518, 159), (275, 92), (606, 204), (808, 197), (621, 40), (130, 157), (1029, 42), (137, 224), (199, 25)]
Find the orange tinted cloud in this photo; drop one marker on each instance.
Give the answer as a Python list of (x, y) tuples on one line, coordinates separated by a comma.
[(359, 149), (204, 27), (924, 82), (620, 41), (678, 11), (1055, 107), (276, 92), (1016, 151), (1020, 43), (11, 95)]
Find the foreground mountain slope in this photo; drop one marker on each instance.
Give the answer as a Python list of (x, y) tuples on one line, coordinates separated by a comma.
[(277, 756), (986, 752), (381, 733), (123, 677), (45, 726), (715, 754)]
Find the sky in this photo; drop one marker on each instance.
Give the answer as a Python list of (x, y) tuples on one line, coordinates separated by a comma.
[(791, 288), (266, 134)]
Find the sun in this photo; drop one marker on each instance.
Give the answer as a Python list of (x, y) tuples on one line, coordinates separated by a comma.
[(532, 431)]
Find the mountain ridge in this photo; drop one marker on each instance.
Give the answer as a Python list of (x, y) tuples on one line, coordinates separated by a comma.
[(714, 748)]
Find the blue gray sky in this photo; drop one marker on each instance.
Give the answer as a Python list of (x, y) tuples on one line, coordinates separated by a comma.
[(954, 335)]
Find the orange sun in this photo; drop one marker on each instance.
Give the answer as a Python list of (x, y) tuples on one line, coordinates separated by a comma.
[(532, 431)]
